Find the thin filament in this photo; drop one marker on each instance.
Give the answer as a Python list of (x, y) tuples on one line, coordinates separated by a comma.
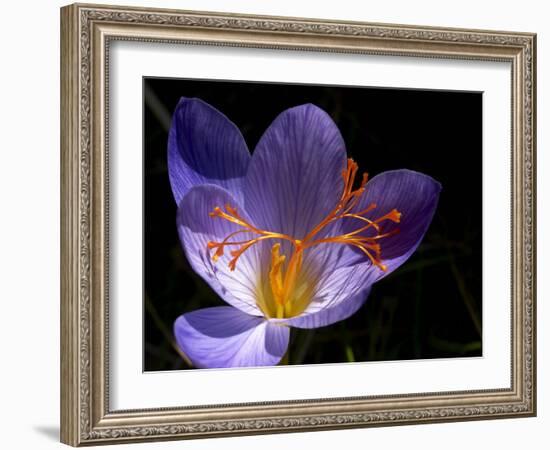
[(348, 201)]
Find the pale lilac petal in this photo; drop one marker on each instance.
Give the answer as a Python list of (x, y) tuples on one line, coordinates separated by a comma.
[(415, 196), (204, 146), (330, 314), (336, 284), (226, 337), (294, 179), (196, 228)]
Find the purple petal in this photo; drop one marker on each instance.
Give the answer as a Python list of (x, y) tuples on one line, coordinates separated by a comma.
[(415, 196), (294, 178), (227, 337), (204, 146), (336, 285), (332, 313), (196, 228)]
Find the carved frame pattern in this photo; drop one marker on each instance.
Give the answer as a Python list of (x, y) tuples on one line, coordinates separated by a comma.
[(86, 32)]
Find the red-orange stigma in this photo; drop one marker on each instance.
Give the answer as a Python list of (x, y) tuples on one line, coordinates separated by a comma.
[(343, 210)]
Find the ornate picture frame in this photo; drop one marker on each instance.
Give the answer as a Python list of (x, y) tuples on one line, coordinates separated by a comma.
[(87, 32)]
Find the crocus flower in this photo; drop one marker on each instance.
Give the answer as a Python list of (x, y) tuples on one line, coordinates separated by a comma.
[(284, 236)]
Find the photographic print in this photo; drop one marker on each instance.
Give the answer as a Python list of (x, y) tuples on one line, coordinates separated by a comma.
[(292, 224)]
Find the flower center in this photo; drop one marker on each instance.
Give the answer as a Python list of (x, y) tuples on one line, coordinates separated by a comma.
[(289, 292)]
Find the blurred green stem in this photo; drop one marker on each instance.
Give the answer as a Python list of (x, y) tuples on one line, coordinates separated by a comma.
[(469, 301), (162, 328), (349, 353), (455, 347), (304, 343), (417, 315), (156, 106), (285, 360)]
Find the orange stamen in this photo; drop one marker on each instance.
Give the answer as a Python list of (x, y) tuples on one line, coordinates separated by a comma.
[(282, 284)]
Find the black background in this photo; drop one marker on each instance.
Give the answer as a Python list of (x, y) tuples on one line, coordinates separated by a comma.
[(428, 308)]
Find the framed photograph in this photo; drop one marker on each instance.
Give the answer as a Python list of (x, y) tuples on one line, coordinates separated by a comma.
[(275, 224)]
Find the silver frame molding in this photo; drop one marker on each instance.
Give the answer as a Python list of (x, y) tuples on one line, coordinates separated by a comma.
[(86, 32)]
